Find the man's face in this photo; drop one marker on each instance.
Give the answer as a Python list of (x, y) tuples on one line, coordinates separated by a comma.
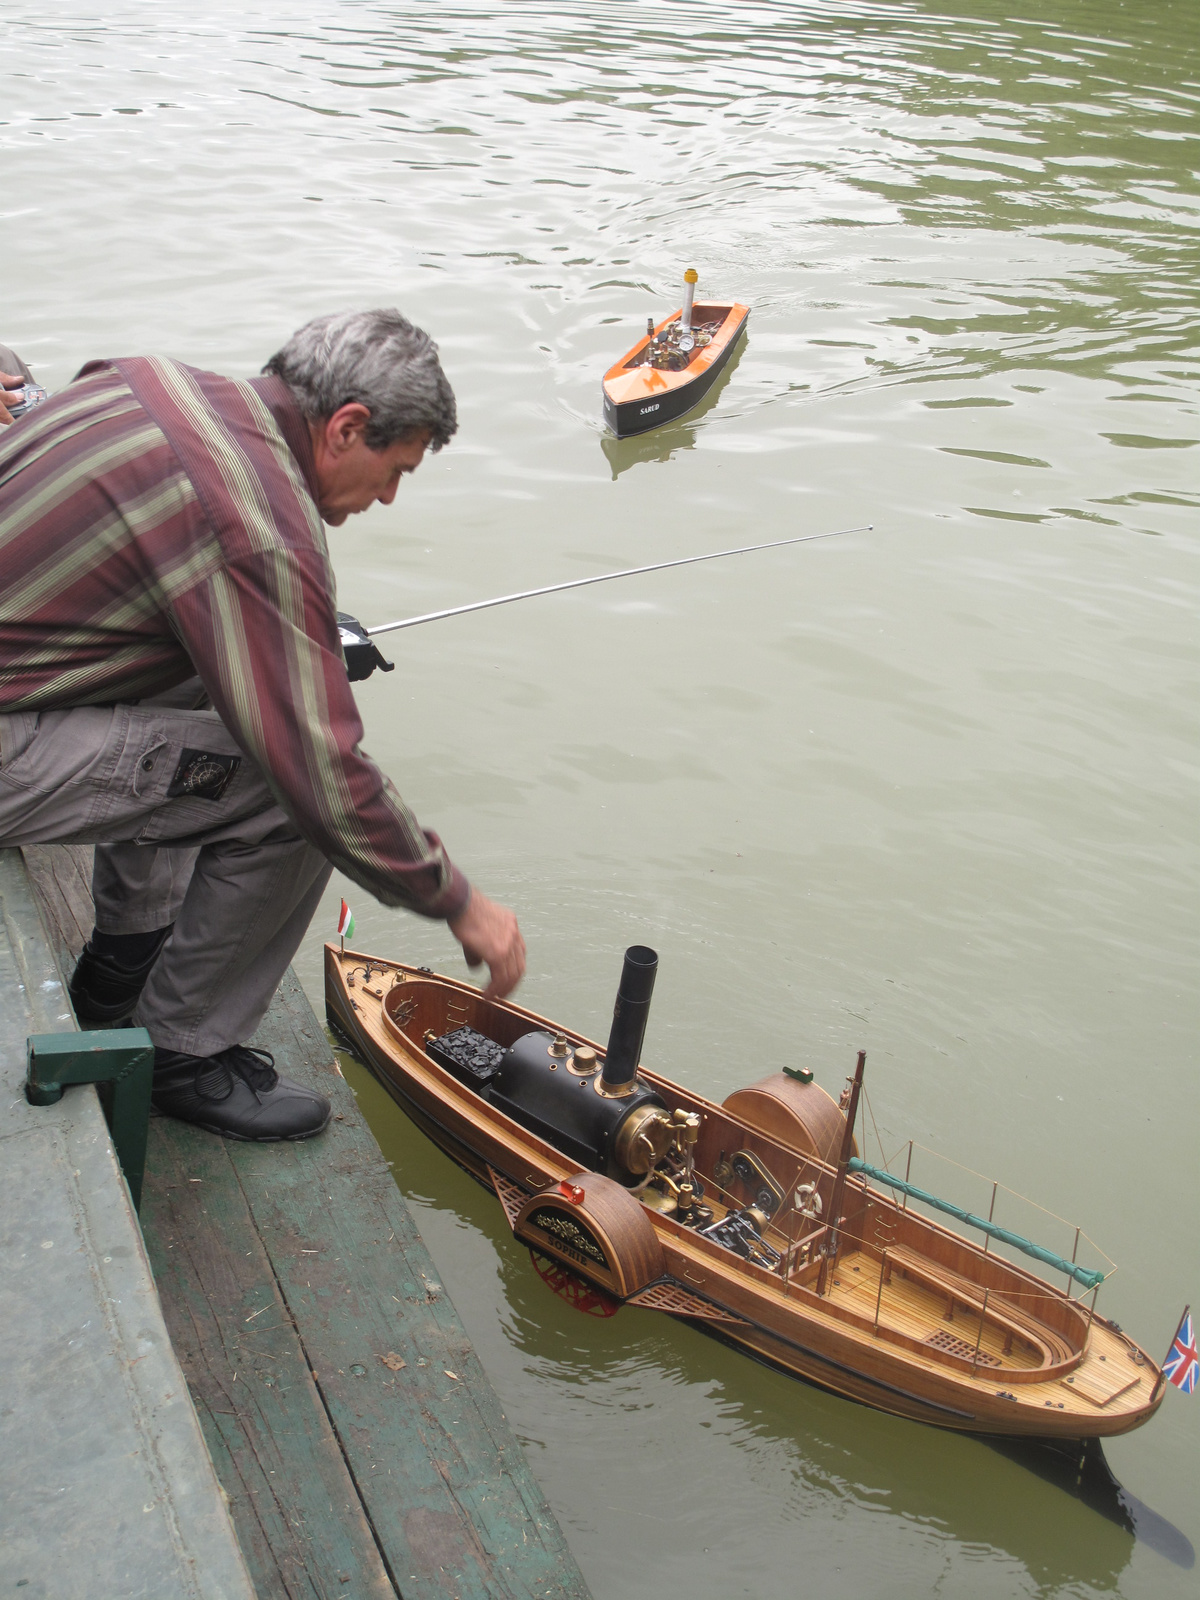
[(350, 475)]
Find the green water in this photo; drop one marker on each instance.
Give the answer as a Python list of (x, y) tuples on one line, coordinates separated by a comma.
[(930, 790)]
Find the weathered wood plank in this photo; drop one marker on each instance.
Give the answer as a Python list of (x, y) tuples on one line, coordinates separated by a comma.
[(294, 1502), (61, 875), (106, 1484), (274, 1450), (446, 1485)]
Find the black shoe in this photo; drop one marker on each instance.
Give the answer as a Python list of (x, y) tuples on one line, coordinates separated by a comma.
[(103, 991), (236, 1093)]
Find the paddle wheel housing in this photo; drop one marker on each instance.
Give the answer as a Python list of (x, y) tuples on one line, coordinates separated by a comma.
[(598, 1229), (795, 1110)]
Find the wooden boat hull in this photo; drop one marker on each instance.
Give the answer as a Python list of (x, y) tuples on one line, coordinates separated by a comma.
[(638, 397), (1093, 1382)]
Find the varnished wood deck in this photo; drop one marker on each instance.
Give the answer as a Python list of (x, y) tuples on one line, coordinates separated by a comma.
[(288, 1273), (916, 1309)]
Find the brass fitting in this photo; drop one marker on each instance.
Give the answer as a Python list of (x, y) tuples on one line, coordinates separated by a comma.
[(642, 1140), (584, 1062)]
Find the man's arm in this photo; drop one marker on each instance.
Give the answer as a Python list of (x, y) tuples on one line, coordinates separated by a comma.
[(263, 637)]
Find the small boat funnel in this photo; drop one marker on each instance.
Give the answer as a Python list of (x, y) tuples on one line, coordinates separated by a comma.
[(629, 1019), (690, 279)]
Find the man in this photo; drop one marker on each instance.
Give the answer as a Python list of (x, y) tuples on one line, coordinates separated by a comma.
[(173, 689)]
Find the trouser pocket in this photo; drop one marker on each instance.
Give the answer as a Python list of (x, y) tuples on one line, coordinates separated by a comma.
[(18, 729)]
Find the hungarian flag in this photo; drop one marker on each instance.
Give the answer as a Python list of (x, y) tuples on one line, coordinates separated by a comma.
[(346, 923), (1182, 1365)]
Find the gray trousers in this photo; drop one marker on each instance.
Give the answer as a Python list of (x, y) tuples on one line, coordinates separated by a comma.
[(232, 872)]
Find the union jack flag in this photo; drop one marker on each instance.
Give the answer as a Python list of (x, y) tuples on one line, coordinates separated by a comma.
[(1182, 1365)]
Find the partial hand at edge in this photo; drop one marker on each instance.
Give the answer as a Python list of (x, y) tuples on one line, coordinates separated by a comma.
[(11, 386), (489, 932)]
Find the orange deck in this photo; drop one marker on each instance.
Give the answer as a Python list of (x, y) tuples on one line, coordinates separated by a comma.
[(623, 382)]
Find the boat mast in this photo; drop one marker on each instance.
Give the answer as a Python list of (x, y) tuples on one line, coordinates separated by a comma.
[(687, 339), (839, 1183)]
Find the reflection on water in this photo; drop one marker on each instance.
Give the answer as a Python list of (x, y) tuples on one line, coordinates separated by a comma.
[(929, 791), (1085, 1473)]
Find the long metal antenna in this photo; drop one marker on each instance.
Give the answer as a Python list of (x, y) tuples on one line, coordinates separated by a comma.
[(605, 577)]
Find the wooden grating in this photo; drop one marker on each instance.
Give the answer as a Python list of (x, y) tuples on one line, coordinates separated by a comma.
[(677, 1301), (953, 1345), (510, 1195)]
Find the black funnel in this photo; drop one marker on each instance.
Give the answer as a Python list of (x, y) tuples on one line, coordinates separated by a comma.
[(629, 1017)]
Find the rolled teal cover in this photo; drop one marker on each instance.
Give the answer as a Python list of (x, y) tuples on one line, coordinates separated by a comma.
[(1083, 1275)]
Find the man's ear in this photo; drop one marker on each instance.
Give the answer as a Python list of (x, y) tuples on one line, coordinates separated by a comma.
[(346, 427)]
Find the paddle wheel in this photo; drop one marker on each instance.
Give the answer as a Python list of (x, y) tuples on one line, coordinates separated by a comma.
[(572, 1289)]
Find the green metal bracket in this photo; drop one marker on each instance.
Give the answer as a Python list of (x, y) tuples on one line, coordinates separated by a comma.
[(801, 1074), (122, 1057)]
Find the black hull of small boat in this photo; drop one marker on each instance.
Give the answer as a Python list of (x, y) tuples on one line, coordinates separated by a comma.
[(641, 415)]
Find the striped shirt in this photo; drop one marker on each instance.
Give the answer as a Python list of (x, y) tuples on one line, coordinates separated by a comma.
[(158, 522)]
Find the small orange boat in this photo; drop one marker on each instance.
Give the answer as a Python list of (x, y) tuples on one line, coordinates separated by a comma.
[(673, 367), (754, 1220)]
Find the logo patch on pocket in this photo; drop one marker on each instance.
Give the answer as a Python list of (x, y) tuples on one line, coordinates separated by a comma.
[(202, 775)]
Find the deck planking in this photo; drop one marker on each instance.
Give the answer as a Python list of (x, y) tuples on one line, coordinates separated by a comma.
[(918, 1311), (287, 1273)]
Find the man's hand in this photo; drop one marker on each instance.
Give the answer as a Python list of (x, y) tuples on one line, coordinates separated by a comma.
[(488, 932), (12, 387)]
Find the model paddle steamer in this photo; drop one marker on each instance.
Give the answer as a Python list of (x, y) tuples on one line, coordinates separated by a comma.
[(673, 367), (754, 1219)]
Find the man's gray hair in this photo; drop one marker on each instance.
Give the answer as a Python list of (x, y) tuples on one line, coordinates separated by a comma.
[(378, 359)]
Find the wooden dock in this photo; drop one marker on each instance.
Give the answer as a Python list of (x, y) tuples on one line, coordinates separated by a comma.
[(106, 1487), (360, 1445)]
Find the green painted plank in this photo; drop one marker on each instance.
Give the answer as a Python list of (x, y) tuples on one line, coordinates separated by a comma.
[(445, 1482), (294, 1502), (107, 1490)]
